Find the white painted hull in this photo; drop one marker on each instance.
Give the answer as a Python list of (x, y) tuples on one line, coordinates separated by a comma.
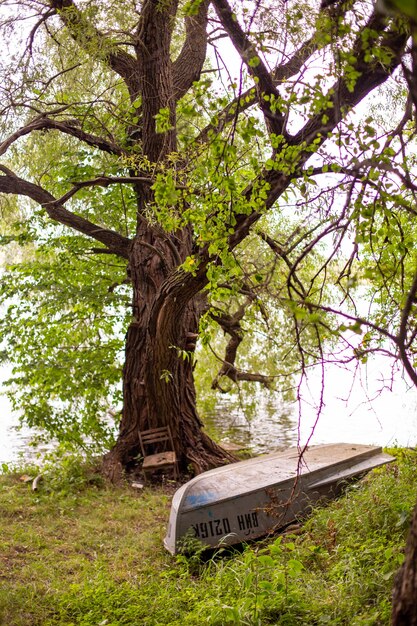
[(250, 499)]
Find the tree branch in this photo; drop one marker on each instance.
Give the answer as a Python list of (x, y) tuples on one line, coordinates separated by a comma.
[(372, 74), (244, 100), (89, 37), (267, 94), (346, 316), (38, 24), (402, 335), (12, 184), (342, 97), (231, 325), (45, 123), (410, 75), (104, 181), (281, 73), (189, 63), (278, 250)]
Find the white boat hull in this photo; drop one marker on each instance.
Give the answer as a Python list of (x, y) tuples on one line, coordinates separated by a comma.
[(250, 499)]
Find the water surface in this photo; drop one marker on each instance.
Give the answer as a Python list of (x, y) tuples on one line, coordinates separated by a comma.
[(369, 409)]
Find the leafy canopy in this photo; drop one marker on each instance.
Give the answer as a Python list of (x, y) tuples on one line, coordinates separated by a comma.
[(295, 202)]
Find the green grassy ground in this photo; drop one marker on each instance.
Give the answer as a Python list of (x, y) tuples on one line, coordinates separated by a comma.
[(77, 552)]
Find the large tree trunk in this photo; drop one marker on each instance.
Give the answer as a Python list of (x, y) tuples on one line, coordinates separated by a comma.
[(404, 603), (158, 381)]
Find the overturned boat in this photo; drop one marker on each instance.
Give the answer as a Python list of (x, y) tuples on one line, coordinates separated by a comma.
[(250, 499)]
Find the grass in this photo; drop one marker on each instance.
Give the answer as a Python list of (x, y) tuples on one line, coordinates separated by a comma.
[(78, 552)]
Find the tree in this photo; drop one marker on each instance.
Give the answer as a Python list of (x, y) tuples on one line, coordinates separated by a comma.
[(404, 606), (182, 185)]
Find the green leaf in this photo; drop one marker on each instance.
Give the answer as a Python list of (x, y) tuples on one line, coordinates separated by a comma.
[(163, 121), (254, 61)]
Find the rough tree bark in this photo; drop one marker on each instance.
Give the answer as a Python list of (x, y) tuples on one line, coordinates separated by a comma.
[(158, 377), (404, 609)]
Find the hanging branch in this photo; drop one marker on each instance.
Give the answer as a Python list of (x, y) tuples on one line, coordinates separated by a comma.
[(12, 184), (231, 325), (401, 339)]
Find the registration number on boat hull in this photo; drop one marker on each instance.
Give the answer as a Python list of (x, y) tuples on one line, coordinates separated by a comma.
[(244, 523)]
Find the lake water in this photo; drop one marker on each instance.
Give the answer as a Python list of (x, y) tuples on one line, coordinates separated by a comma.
[(369, 409)]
